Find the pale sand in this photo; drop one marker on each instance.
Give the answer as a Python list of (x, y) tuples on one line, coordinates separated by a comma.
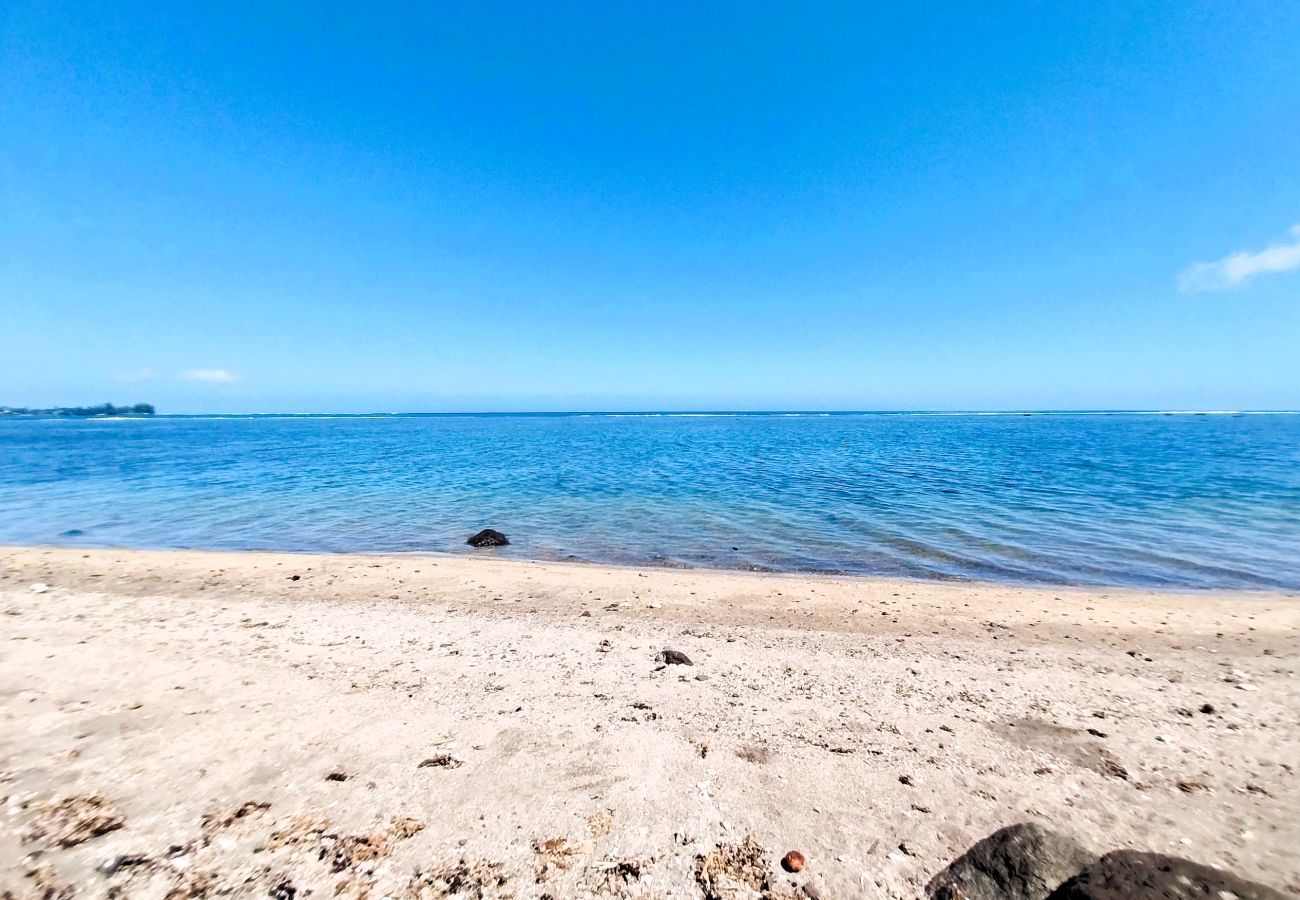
[(180, 685)]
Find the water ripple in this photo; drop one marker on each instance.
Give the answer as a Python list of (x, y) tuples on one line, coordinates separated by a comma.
[(1166, 500)]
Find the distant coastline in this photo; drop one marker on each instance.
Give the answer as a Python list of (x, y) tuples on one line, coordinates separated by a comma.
[(104, 410)]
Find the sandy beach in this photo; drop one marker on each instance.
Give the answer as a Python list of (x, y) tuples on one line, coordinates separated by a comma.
[(192, 724)]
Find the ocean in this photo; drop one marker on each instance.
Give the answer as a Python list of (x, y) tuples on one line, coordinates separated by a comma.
[(1137, 499)]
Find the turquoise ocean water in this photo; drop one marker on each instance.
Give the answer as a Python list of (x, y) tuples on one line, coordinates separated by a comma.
[(1199, 501)]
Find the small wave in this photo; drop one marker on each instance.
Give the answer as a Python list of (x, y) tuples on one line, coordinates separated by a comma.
[(1197, 412)]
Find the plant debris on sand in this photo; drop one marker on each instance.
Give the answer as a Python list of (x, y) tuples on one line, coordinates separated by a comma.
[(735, 871), (74, 820)]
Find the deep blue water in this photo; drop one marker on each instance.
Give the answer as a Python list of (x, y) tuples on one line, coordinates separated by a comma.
[(1131, 499)]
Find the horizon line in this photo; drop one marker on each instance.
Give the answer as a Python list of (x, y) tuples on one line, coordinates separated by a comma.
[(720, 412)]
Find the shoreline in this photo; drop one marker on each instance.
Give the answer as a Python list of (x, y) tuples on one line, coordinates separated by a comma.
[(488, 555), (182, 687)]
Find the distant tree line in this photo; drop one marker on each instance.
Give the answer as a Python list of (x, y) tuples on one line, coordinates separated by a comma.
[(81, 412)]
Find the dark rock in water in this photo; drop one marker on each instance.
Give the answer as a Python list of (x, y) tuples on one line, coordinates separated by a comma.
[(1129, 874), (673, 658), (1019, 862), (72, 532), (488, 537)]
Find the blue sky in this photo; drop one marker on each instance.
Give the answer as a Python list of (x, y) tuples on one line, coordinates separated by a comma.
[(278, 207)]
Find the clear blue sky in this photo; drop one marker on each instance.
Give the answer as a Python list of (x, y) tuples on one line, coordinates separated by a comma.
[(287, 206)]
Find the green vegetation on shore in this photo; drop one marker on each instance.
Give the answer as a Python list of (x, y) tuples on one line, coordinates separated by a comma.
[(81, 412)]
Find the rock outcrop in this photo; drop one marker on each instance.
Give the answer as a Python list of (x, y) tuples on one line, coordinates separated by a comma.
[(1019, 862), (1128, 874)]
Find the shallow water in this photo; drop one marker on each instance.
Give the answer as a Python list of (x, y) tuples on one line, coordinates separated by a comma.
[(1202, 501)]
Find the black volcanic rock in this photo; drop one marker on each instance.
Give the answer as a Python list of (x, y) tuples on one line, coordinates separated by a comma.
[(1019, 862), (488, 537), (1130, 874)]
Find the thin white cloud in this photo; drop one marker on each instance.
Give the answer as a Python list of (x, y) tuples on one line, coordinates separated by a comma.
[(1236, 269), (210, 376)]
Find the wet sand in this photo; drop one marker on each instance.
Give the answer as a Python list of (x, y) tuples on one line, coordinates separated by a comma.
[(246, 724)]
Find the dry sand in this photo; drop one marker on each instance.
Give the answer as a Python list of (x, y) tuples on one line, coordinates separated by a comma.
[(280, 725)]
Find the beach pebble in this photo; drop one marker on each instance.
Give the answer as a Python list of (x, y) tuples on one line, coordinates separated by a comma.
[(792, 861), (40, 587), (117, 863), (1247, 687), (440, 761)]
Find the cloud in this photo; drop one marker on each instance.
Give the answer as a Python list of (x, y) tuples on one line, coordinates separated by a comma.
[(210, 376), (1234, 270)]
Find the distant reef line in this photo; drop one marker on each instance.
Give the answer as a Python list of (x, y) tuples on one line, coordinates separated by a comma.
[(81, 412)]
